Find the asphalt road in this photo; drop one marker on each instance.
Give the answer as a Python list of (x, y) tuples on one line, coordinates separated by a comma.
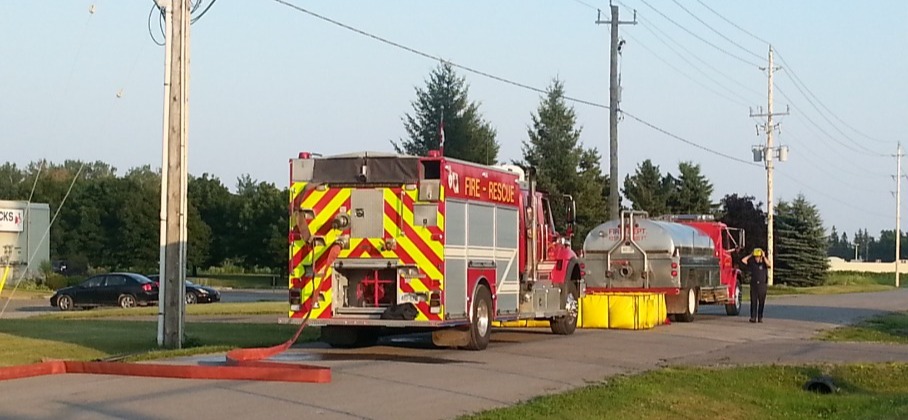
[(407, 378), (24, 308)]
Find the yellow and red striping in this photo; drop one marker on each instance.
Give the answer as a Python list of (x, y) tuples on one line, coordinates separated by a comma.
[(415, 245)]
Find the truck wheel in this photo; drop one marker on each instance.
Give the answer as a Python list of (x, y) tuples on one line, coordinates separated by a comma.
[(693, 303), (481, 324), (565, 325), (348, 337), (734, 308)]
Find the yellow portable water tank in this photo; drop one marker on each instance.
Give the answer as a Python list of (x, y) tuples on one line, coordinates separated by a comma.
[(628, 311)]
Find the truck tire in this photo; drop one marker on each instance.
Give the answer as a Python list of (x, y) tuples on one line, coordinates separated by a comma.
[(481, 324), (693, 304), (348, 337), (734, 308), (570, 300)]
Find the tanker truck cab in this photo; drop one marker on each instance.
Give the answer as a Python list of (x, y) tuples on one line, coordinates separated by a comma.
[(383, 244), (688, 258)]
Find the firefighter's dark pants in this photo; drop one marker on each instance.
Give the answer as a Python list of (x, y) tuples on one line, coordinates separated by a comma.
[(757, 300)]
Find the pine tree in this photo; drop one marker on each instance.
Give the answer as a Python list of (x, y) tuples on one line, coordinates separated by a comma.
[(693, 191), (466, 135), (562, 165), (800, 254), (648, 190)]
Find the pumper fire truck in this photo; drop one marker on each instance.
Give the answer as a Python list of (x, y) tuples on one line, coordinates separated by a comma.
[(385, 243), (686, 257)]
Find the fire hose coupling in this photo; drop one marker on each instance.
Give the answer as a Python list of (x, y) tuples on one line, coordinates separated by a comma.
[(343, 241), (390, 244), (626, 271), (341, 221)]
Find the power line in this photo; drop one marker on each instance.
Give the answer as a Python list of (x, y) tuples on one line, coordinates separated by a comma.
[(507, 81), (586, 4), (829, 196), (681, 72), (662, 36), (825, 133), (704, 40), (732, 23), (656, 31), (845, 157), (731, 41), (798, 81), (681, 139)]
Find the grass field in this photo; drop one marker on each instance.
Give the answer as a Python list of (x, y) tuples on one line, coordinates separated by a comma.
[(868, 391), (837, 282), (241, 281), (886, 328), (30, 340), (231, 308)]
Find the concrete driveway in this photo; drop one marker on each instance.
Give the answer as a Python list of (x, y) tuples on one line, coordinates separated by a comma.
[(407, 378)]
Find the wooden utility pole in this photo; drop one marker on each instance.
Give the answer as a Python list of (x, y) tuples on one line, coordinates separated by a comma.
[(898, 212), (614, 100), (769, 153), (174, 175)]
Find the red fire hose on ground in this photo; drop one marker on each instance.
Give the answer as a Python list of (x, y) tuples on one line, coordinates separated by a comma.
[(241, 364)]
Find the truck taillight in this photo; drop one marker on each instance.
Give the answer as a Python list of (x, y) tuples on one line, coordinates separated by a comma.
[(674, 273), (674, 265)]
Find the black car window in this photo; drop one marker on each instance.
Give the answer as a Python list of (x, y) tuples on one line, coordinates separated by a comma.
[(93, 282), (115, 281)]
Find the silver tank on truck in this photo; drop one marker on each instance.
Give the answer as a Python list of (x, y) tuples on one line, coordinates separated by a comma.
[(635, 252)]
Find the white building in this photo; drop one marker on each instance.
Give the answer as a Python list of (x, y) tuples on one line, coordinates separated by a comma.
[(22, 227)]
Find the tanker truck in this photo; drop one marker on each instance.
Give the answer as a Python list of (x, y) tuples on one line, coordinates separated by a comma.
[(688, 258)]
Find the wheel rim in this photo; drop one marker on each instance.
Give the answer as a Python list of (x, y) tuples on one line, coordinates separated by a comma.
[(691, 301), (127, 302), (190, 298), (482, 318), (65, 303), (738, 297), (571, 306)]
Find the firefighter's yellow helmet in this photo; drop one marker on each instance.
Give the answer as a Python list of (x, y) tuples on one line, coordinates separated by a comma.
[(758, 252)]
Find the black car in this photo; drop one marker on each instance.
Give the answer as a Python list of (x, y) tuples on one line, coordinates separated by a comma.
[(126, 290), (195, 293)]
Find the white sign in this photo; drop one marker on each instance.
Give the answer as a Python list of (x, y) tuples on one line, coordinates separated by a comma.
[(11, 220)]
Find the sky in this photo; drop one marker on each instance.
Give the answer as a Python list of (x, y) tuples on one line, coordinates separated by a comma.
[(268, 81)]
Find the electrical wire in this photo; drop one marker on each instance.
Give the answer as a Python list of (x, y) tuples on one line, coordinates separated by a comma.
[(691, 78), (586, 4), (732, 23), (664, 38), (798, 81), (194, 5), (531, 88), (828, 196), (731, 41), (826, 133), (704, 40), (508, 81), (43, 237)]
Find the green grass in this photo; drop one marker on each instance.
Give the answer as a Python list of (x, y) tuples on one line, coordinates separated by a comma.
[(31, 340), (886, 328), (241, 281), (837, 282), (231, 308), (868, 391)]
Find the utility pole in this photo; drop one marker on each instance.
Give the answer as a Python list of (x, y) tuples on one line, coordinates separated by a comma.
[(768, 154), (174, 175), (898, 212), (614, 99)]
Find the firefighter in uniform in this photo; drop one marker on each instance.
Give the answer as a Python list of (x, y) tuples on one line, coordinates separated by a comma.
[(757, 265)]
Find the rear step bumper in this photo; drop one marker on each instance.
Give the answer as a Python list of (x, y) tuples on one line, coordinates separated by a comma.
[(361, 322)]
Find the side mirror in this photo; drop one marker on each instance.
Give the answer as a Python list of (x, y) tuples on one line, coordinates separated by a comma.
[(570, 212)]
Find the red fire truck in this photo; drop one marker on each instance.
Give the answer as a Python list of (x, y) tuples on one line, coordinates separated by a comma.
[(385, 243), (686, 257)]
